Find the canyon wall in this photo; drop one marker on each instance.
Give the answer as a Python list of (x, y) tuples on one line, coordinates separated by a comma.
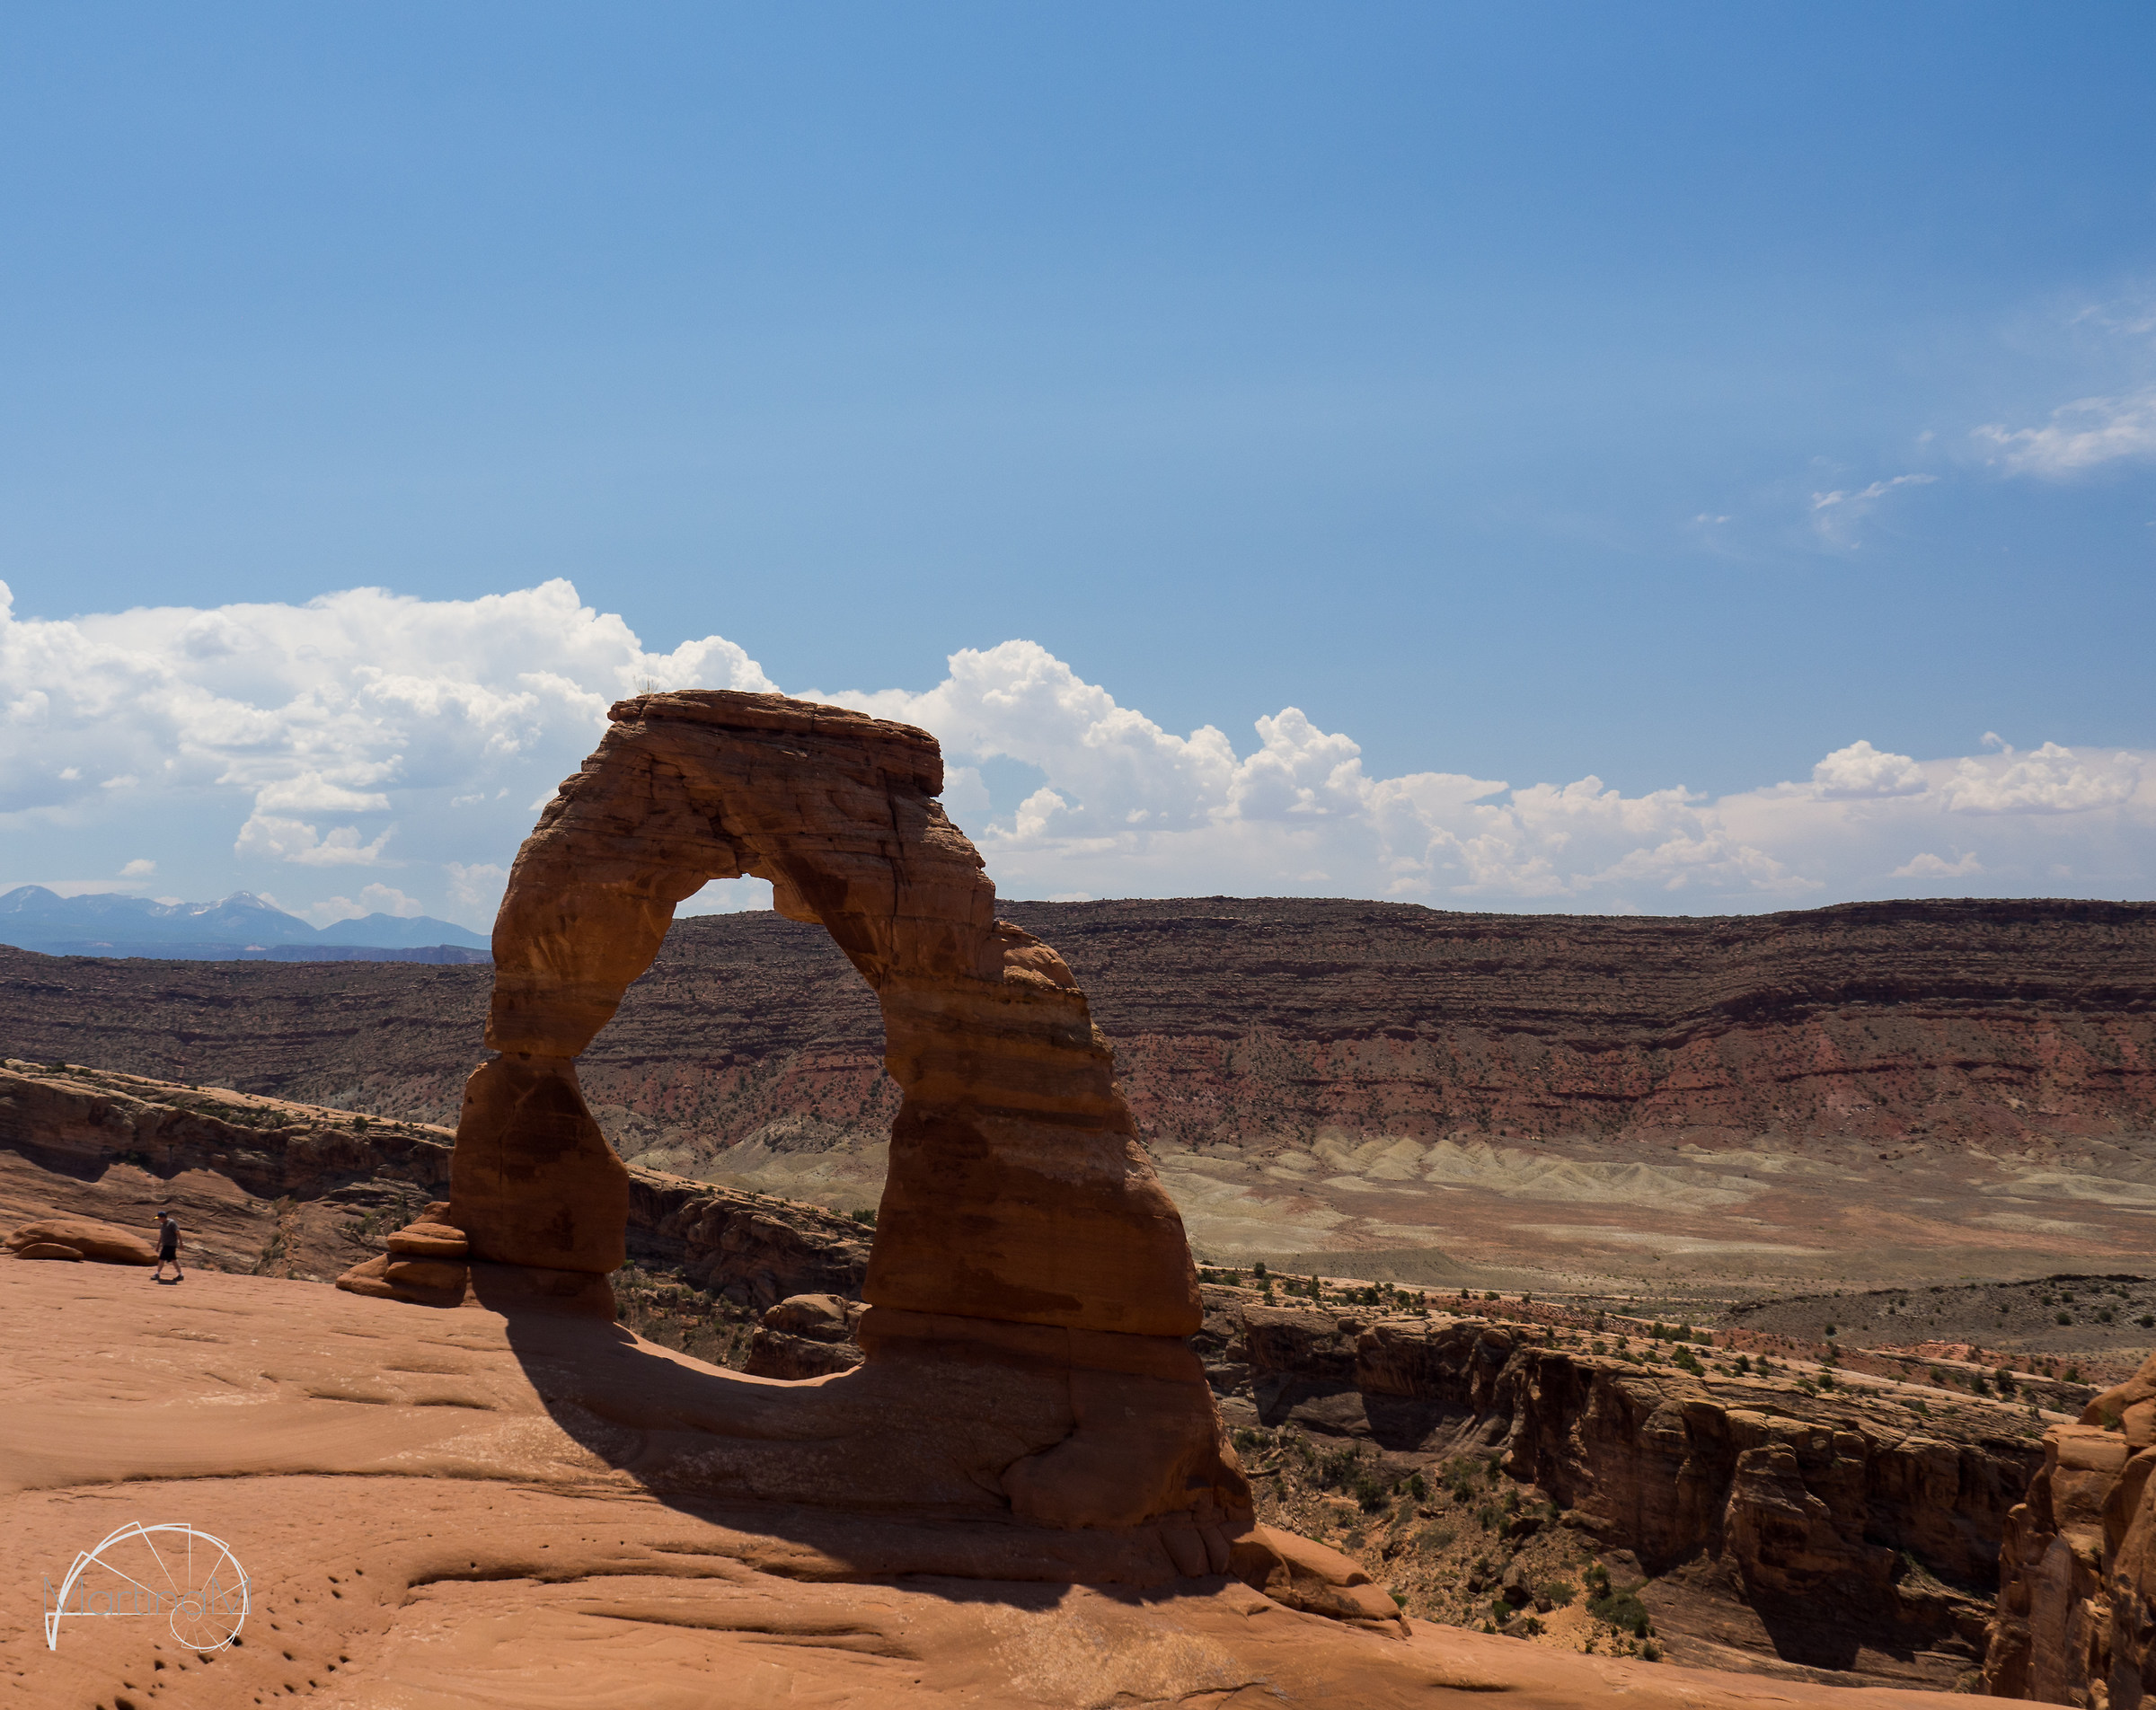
[(1970, 1083), (2018, 1020), (2076, 1619), (1769, 1527)]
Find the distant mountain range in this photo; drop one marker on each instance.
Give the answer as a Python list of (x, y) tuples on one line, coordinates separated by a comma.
[(242, 926)]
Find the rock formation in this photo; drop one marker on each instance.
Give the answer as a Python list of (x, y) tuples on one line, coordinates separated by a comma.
[(1028, 1287), (806, 1336), (273, 1188), (1839, 1531), (2076, 1621), (447, 1509), (80, 1237)]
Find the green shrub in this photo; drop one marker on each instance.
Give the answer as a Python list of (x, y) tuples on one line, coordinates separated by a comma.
[(1560, 1592), (1623, 1611)]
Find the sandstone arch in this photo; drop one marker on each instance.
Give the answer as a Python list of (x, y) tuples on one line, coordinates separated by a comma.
[(1017, 1191), (1030, 1285)]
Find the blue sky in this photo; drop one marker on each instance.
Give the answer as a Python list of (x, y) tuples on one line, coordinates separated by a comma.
[(1666, 394)]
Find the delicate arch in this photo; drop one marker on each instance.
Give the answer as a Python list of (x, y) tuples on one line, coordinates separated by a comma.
[(1017, 1191)]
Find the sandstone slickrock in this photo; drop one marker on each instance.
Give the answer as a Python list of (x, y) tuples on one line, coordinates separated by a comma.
[(1029, 1284), (426, 1521), (80, 1237), (2076, 1619)]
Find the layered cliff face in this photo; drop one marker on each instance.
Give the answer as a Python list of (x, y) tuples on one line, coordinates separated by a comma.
[(1772, 1528), (1913, 1089), (267, 1187), (2076, 1619)]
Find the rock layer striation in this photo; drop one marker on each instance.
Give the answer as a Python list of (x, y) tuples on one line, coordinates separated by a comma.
[(2076, 1621), (1027, 1268)]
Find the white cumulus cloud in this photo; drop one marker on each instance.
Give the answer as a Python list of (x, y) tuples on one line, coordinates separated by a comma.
[(1937, 867), (2051, 779), (412, 740), (1861, 771)]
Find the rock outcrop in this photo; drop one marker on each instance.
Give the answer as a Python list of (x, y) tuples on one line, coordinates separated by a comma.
[(2029, 1020), (1829, 1531), (1028, 1286), (452, 1509), (80, 1237), (806, 1335), (2076, 1620), (271, 1188)]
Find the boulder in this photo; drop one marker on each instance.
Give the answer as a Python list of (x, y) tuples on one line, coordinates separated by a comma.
[(1306, 1575), (817, 1317), (107, 1243), (46, 1250), (428, 1240), (806, 1336)]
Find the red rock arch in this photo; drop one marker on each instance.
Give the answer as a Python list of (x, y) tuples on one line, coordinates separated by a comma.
[(1017, 1192)]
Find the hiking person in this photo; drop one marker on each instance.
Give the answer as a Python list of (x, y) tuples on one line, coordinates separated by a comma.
[(168, 1248)]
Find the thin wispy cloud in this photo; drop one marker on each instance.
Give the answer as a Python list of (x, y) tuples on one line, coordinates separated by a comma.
[(1877, 490), (2082, 435), (1836, 514)]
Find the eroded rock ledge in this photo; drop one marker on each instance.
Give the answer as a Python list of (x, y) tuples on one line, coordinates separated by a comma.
[(2076, 1621)]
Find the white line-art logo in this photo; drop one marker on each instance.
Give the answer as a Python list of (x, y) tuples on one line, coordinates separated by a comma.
[(171, 1570)]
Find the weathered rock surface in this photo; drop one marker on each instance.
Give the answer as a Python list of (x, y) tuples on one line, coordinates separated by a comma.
[(806, 1335), (1831, 1532), (439, 1509), (80, 1237), (269, 1187), (1026, 1263), (2076, 1619)]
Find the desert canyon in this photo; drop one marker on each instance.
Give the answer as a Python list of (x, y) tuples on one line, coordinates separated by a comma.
[(909, 1296)]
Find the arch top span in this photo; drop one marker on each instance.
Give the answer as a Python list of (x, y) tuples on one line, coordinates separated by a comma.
[(1017, 1190)]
